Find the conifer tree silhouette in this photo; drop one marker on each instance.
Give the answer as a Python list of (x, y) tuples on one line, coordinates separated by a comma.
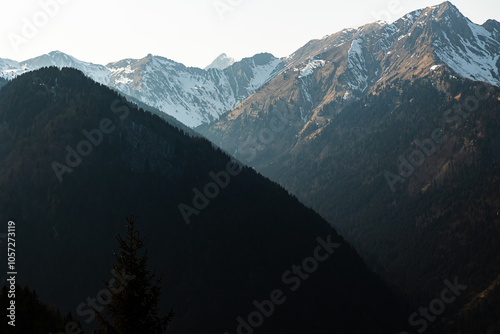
[(132, 308)]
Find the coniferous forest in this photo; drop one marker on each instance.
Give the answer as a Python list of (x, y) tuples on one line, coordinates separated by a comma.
[(352, 186), (236, 251)]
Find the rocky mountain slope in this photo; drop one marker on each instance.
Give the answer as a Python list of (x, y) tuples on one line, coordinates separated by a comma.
[(357, 62), (354, 129)]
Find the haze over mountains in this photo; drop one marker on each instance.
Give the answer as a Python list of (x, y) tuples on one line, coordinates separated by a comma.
[(191, 95), (391, 132), (417, 44)]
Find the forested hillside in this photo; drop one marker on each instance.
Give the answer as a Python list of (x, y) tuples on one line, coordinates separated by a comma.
[(239, 246)]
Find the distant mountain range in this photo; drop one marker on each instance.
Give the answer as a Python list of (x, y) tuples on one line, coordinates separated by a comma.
[(417, 44), (191, 95), (390, 131)]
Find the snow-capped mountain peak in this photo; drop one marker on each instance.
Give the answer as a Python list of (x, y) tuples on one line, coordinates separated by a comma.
[(469, 49), (191, 95), (423, 42), (409, 46), (221, 62), (59, 59)]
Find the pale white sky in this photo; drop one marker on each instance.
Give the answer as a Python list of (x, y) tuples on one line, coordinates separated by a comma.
[(192, 32)]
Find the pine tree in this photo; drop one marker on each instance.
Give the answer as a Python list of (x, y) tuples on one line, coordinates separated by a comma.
[(132, 307)]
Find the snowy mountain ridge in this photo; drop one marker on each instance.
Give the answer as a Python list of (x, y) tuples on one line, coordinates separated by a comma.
[(437, 35), (433, 39), (221, 62), (326, 75), (191, 95)]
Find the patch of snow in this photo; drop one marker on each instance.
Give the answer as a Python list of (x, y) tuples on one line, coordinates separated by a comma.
[(403, 36), (10, 69), (221, 62), (356, 73), (410, 18), (475, 59), (263, 73), (123, 80), (311, 66)]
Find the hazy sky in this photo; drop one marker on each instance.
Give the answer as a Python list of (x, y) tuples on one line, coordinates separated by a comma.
[(192, 32)]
